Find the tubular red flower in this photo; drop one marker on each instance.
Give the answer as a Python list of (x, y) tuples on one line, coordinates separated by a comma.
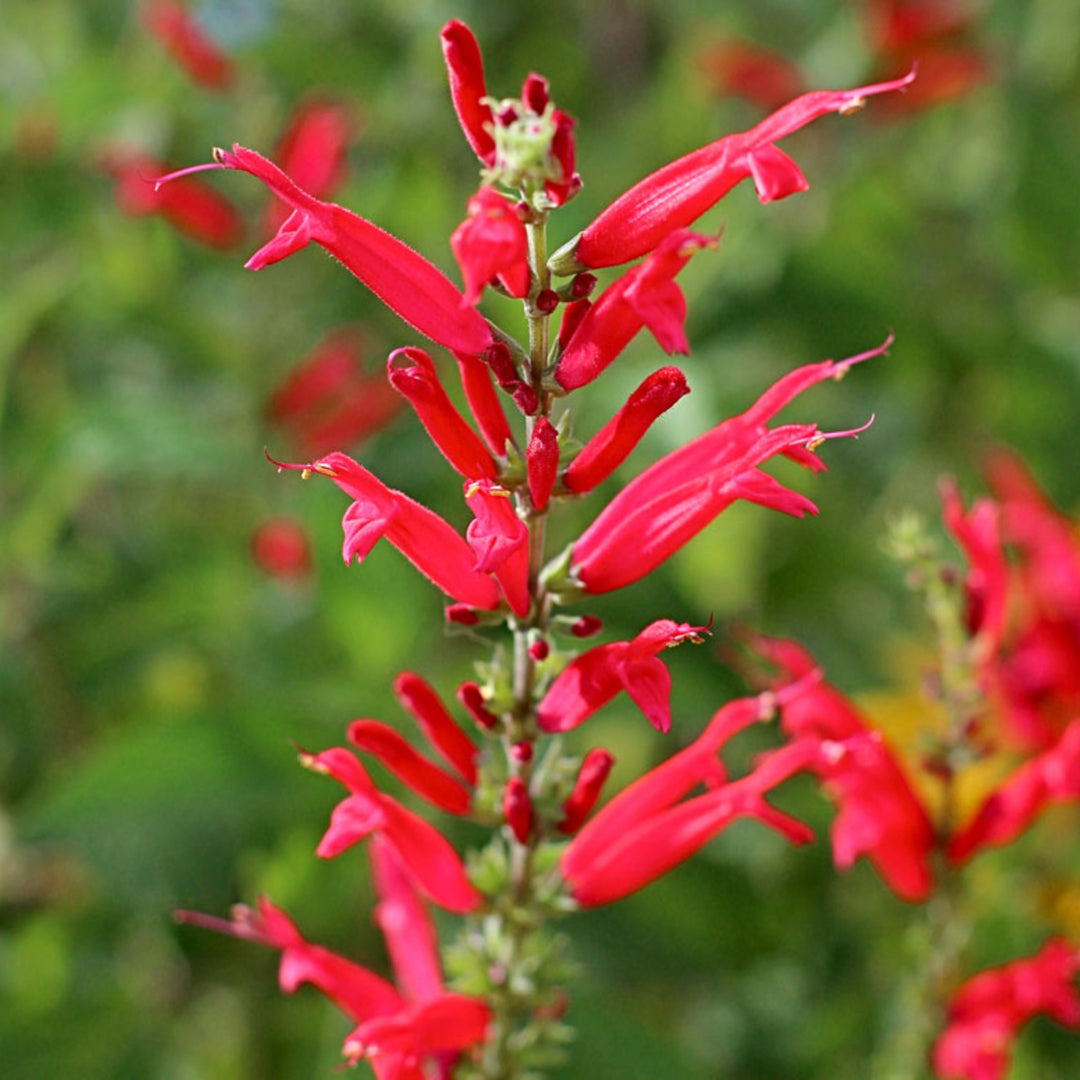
[(402, 759), (440, 729), (484, 403), (398, 1042), (465, 68), (518, 809), (612, 444), (987, 1012), (189, 205), (645, 295), (679, 193), (359, 993), (403, 279), (491, 242), (645, 831), (311, 151), (1050, 778), (428, 541), (673, 500), (433, 865), (500, 540), (594, 771), (542, 461), (592, 679), (406, 925), (188, 44), (412, 373), (987, 580), (328, 400)]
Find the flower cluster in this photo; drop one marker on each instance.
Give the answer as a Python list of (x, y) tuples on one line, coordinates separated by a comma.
[(516, 460)]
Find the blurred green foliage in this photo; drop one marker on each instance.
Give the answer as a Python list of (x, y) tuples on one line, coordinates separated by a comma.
[(153, 679)]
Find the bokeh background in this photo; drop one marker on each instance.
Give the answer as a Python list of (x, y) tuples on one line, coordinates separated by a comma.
[(157, 670)]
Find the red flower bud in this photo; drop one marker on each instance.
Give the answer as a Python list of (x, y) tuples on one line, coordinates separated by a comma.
[(518, 809), (590, 782), (542, 461)]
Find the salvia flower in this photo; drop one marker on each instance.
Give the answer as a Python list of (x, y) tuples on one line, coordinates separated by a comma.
[(491, 243), (672, 501), (441, 730), (678, 194), (194, 51), (988, 1011), (592, 679), (429, 542), (433, 865), (646, 830), (542, 461), (403, 279), (645, 295), (1049, 778), (412, 373), (500, 540)]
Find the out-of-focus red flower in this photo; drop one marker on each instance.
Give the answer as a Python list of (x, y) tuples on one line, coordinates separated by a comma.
[(987, 1012), (188, 44), (673, 500), (592, 679), (737, 68), (879, 814), (328, 400), (189, 205), (312, 151), (491, 243), (935, 36), (675, 196), (1050, 778), (281, 549), (646, 830)]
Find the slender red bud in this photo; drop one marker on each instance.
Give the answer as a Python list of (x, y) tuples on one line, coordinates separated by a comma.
[(542, 460), (590, 782), (518, 809), (472, 699)]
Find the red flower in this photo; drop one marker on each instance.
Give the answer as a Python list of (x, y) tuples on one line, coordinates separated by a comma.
[(404, 280), (427, 856), (328, 400), (742, 69), (987, 1012), (429, 542), (672, 501), (188, 44), (440, 729), (280, 548), (312, 152), (412, 374), (611, 445), (679, 193), (879, 814), (1051, 777), (500, 540), (484, 403), (645, 295), (189, 205), (490, 243), (592, 679), (645, 830), (468, 90)]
